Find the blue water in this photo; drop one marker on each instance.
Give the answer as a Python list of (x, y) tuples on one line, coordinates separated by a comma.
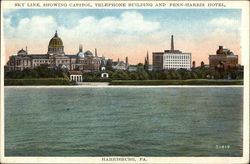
[(123, 121)]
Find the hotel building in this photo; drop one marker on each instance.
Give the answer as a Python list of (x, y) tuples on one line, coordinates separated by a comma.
[(223, 60), (171, 59)]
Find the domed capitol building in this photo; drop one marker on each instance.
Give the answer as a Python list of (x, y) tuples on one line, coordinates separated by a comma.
[(56, 58)]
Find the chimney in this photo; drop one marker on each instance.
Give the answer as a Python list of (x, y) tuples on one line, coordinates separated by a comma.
[(80, 48), (26, 50), (95, 52), (126, 60), (193, 64), (172, 42)]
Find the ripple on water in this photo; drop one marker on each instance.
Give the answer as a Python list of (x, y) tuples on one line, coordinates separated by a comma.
[(123, 121)]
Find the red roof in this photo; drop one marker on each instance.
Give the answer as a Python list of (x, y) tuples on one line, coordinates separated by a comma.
[(75, 73)]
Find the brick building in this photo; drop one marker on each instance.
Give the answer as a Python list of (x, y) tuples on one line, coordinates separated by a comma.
[(223, 60), (158, 60)]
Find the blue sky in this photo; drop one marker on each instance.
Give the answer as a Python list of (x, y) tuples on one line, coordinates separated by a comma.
[(70, 17), (125, 29)]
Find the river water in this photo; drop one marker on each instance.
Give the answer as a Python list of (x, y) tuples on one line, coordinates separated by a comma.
[(78, 121)]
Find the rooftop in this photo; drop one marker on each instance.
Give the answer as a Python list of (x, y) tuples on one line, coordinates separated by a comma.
[(75, 73)]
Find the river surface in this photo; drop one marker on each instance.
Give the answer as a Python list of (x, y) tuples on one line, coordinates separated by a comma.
[(78, 121)]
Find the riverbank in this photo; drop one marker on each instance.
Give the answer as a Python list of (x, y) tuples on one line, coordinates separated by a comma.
[(37, 81), (62, 81), (177, 82)]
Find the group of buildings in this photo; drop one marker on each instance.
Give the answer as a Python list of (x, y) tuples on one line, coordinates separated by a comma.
[(86, 61), (55, 57), (223, 60)]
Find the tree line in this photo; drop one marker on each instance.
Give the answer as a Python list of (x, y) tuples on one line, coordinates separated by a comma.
[(172, 74), (39, 72), (181, 74)]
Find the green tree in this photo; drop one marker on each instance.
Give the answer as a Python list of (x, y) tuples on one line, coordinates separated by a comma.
[(194, 75), (109, 65), (143, 75), (134, 76)]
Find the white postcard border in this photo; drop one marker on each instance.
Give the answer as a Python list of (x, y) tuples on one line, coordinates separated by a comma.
[(244, 5)]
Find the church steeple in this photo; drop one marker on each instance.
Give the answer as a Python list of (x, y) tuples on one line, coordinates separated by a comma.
[(147, 56), (146, 64)]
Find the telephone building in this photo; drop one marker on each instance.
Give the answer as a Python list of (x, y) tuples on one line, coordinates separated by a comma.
[(171, 59)]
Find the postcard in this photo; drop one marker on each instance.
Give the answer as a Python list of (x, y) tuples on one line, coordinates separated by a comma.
[(124, 82)]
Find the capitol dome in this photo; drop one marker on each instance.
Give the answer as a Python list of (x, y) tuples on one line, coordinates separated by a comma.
[(55, 45)]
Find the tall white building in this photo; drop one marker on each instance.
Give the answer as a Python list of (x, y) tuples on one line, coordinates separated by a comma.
[(176, 60), (172, 59)]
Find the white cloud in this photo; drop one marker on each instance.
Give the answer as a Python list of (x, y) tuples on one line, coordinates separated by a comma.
[(127, 23), (30, 28), (224, 25), (127, 28), (224, 22), (134, 22), (224, 29), (8, 29)]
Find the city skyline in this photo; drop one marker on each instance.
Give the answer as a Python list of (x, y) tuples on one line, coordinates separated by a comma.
[(120, 33)]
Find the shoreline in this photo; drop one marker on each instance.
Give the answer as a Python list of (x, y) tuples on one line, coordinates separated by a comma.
[(129, 86), (126, 83)]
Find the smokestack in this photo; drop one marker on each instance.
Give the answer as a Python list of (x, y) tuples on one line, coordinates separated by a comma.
[(172, 42), (95, 52), (26, 50), (126, 60), (193, 64), (80, 48)]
